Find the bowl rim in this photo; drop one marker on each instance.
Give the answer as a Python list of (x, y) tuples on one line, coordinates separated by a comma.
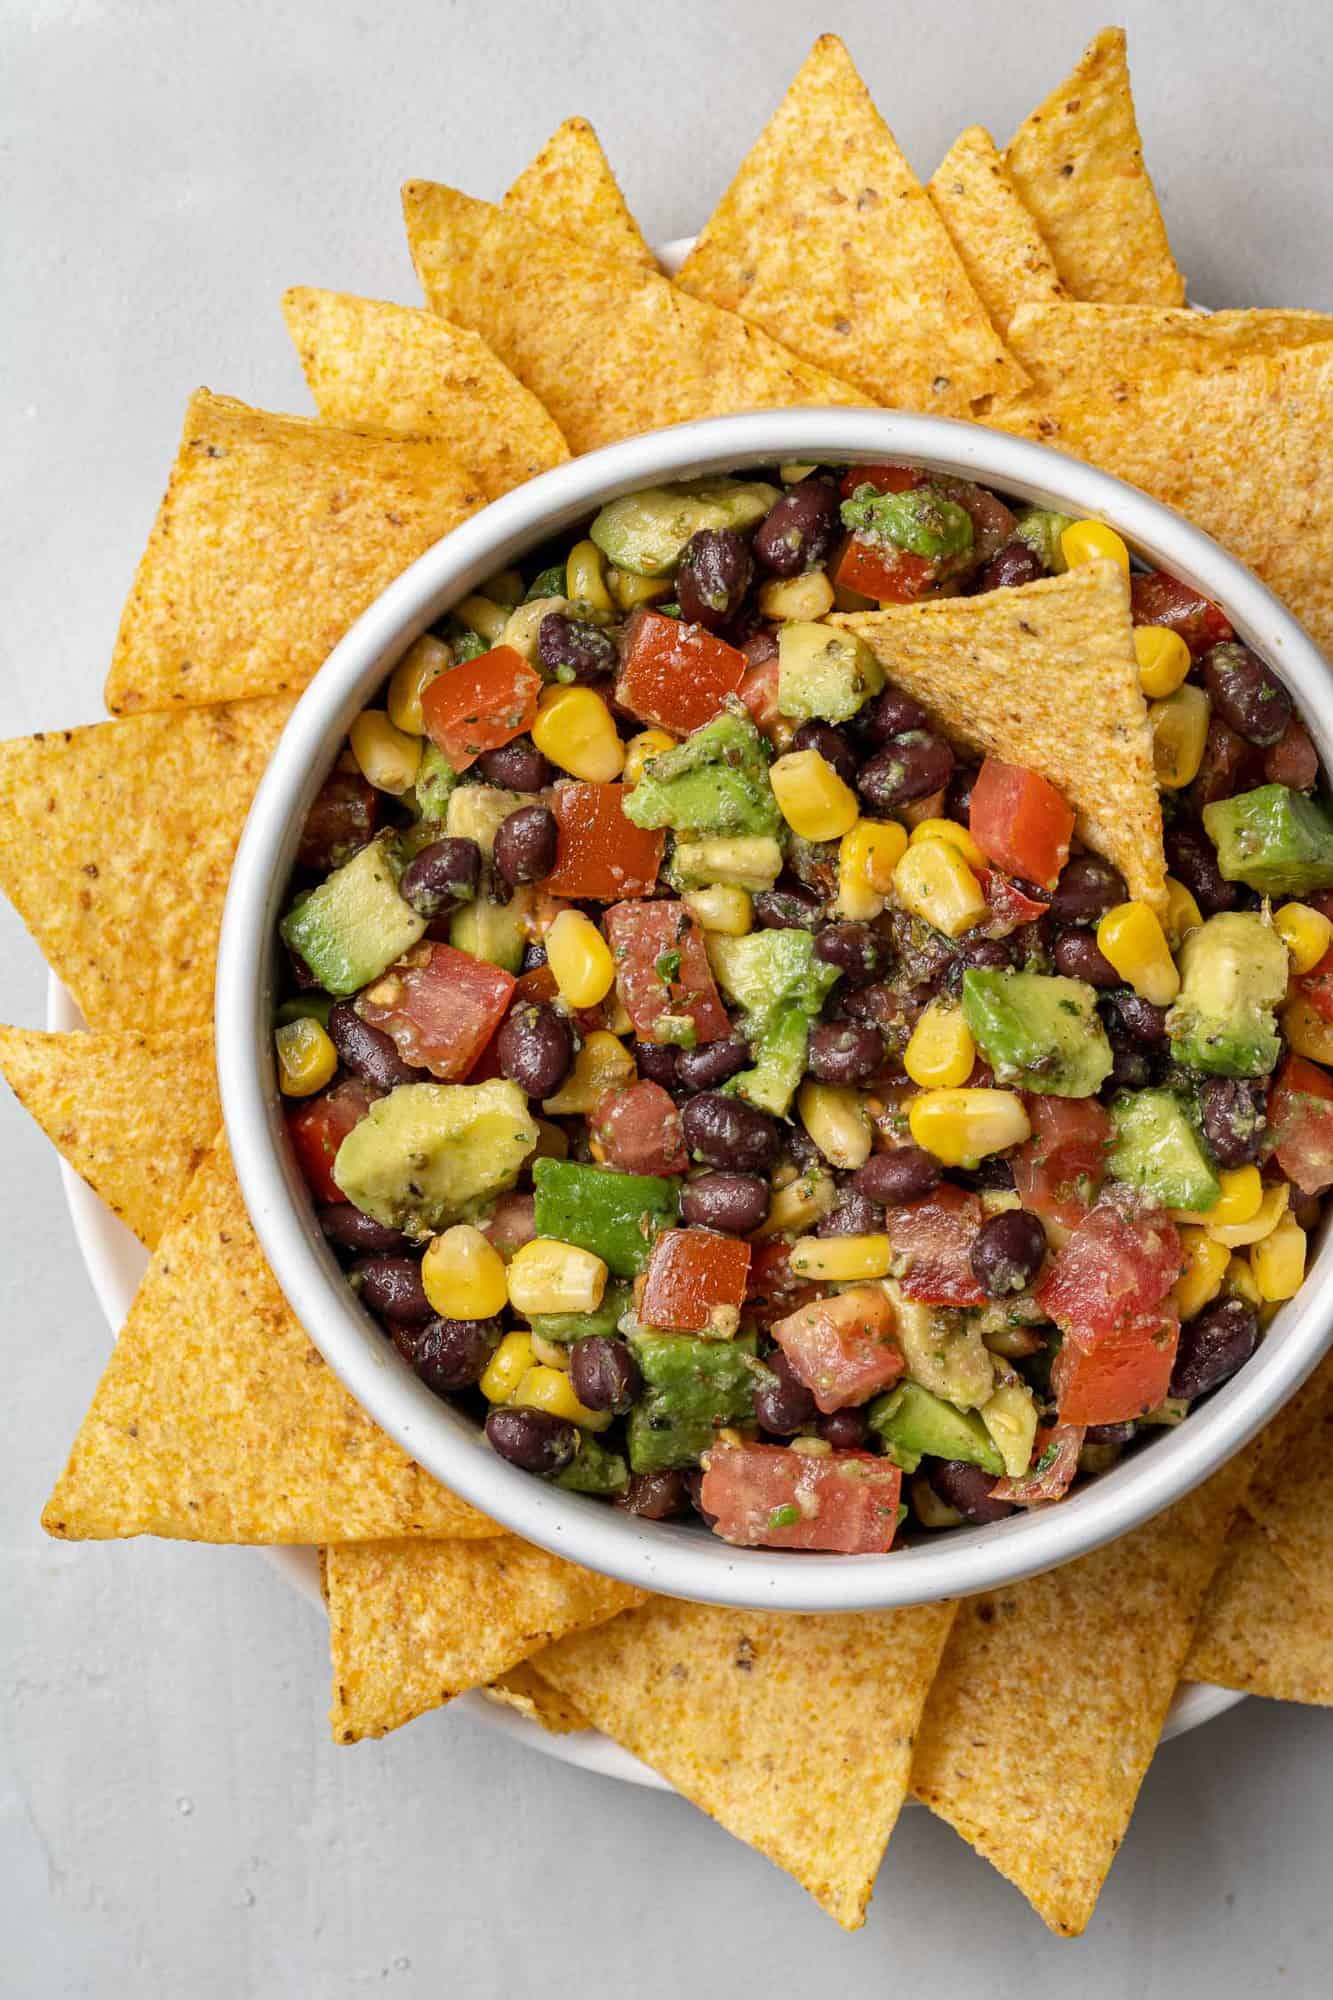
[(662, 1557)]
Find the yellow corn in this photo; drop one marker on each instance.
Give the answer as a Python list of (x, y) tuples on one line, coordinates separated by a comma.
[(419, 666), (1135, 943), (1182, 912), (934, 882), (793, 470), (961, 1127), (506, 587), (1270, 1212), (957, 836), (1202, 1269), (1278, 1262), (813, 799), (807, 597), (1179, 732), (306, 1057), (551, 1353), (550, 1389), (464, 1274), (1306, 933), (483, 616), (648, 743), (941, 1051), (835, 1119), (1308, 1032), (580, 959), (602, 1062), (800, 1203), (834, 1260), (630, 591), (585, 579), (1239, 1278), (867, 856), (574, 728), (386, 757), (1010, 1417), (1240, 1200), (550, 1277), (1093, 541), (723, 908), (1164, 660), (524, 623), (507, 1367)]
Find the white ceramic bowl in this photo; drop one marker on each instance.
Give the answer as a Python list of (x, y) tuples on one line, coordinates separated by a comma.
[(678, 1559)]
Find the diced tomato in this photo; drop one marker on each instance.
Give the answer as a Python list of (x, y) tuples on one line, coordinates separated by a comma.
[(481, 704), (765, 1496), (1293, 759), (317, 1127), (638, 1129), (674, 674), (440, 1006), (1020, 822), (662, 968), (774, 1288), (1124, 1376), (1114, 1271), (890, 575), (1300, 1124), (512, 1225), (1054, 1462), (1317, 986), (1059, 1170), (936, 1235), (759, 692), (600, 855), (341, 820), (1009, 906), (843, 1348), (884, 478), (695, 1282), (1159, 599)]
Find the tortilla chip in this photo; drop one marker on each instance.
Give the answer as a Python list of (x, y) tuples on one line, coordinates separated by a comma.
[(1001, 247), (1077, 163), (1302, 1410), (1293, 1503), (398, 369), (1261, 1630), (134, 1114), (1051, 1698), (827, 239), (1044, 675), (794, 1733), (1069, 346), (570, 190), (523, 1688), (412, 1624), (217, 1421), (612, 350), (274, 536), (1241, 451), (116, 843)]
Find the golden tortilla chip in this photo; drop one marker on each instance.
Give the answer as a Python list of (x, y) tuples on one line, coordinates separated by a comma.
[(827, 239), (611, 350), (1051, 1698), (274, 536), (398, 369), (1261, 1630), (116, 843), (1069, 346), (523, 1688), (134, 1114), (794, 1733), (1293, 1503), (570, 190), (217, 1421), (1001, 247), (1077, 163), (1045, 676), (412, 1624), (1268, 1451)]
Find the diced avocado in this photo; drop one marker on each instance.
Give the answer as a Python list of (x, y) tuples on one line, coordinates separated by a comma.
[(646, 532), (1010, 1418), (1041, 529), (1156, 1149), (779, 1060), (1233, 974), (1038, 1032), (496, 932), (477, 812), (922, 519), (593, 1469), (355, 924), (1274, 839), (943, 1349), (740, 860), (547, 583), (431, 1153), (565, 1328), (914, 1425), (436, 779), (691, 1388), (762, 969), (715, 782), (616, 1216), (824, 672)]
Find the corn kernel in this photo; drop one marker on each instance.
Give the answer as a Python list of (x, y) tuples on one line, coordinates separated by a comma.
[(723, 908), (1240, 1200), (1278, 1262), (812, 798), (802, 1202), (419, 666), (1164, 660), (961, 1127), (464, 1274), (506, 587), (600, 1064), (1134, 942), (834, 1260), (836, 1120), (868, 854), (585, 579), (941, 1051), (482, 616), (934, 882), (523, 625), (957, 836), (507, 1367), (1307, 1031), (1239, 1278), (1306, 933), (551, 1353), (574, 728), (1179, 732), (1010, 1416), (807, 597), (580, 959), (1271, 1210), (550, 1277), (630, 591), (793, 470), (550, 1389), (1093, 541), (1202, 1269), (306, 1057), (386, 757), (648, 743), (1182, 912)]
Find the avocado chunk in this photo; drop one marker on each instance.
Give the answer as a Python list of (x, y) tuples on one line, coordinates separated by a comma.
[(740, 860), (715, 782), (616, 1216), (914, 1425), (943, 1348), (1155, 1148), (593, 1469), (1038, 1032), (355, 924), (824, 672), (477, 812), (433, 1153), (435, 781), (565, 1328), (691, 1389), (645, 533), (760, 970), (922, 519), (780, 1046), (496, 932), (1041, 528), (1233, 974), (1274, 839)]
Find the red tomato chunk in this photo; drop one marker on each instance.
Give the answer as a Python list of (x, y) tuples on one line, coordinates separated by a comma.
[(441, 1007), (759, 692), (1317, 986), (774, 1288), (1159, 599), (935, 1235), (1127, 1374), (675, 675), (1009, 907), (638, 1129), (763, 1496), (842, 1348), (883, 478), (1114, 1272), (317, 1127), (695, 1282), (889, 575), (662, 968), (1300, 1122), (1054, 1462), (600, 854), (480, 705), (1059, 1170), (1020, 822)]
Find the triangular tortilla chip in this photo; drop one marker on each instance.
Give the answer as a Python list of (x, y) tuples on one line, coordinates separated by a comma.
[(570, 189), (524, 1690), (1293, 1502), (1077, 163), (612, 350), (1069, 346), (217, 1421), (116, 843), (274, 536), (794, 1733), (412, 1624), (1051, 1698), (1261, 1630), (1045, 676), (1000, 245), (134, 1114), (827, 239), (398, 369)]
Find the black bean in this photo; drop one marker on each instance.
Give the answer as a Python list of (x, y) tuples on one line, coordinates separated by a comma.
[(1110, 1433), (604, 1374), (981, 954), (656, 1496), (536, 1048), (1192, 859), (711, 1063), (726, 1132), (442, 875), (845, 1430), (534, 955), (656, 1061), (1247, 695), (570, 649), (790, 907), (340, 821), (1130, 1067), (842, 1052), (350, 1228), (831, 745), (906, 1173), (1213, 1346), (783, 1404), (534, 1440), (1007, 1252), (367, 1051), (968, 1489), (525, 844), (518, 766), (992, 1172), (1234, 1113), (1015, 564), (958, 793), (449, 1354), (799, 530), (1088, 887), (736, 1204), (391, 1288), (715, 573), (908, 767), (1142, 1019), (1077, 955), (854, 1215), (893, 712), (857, 951)]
